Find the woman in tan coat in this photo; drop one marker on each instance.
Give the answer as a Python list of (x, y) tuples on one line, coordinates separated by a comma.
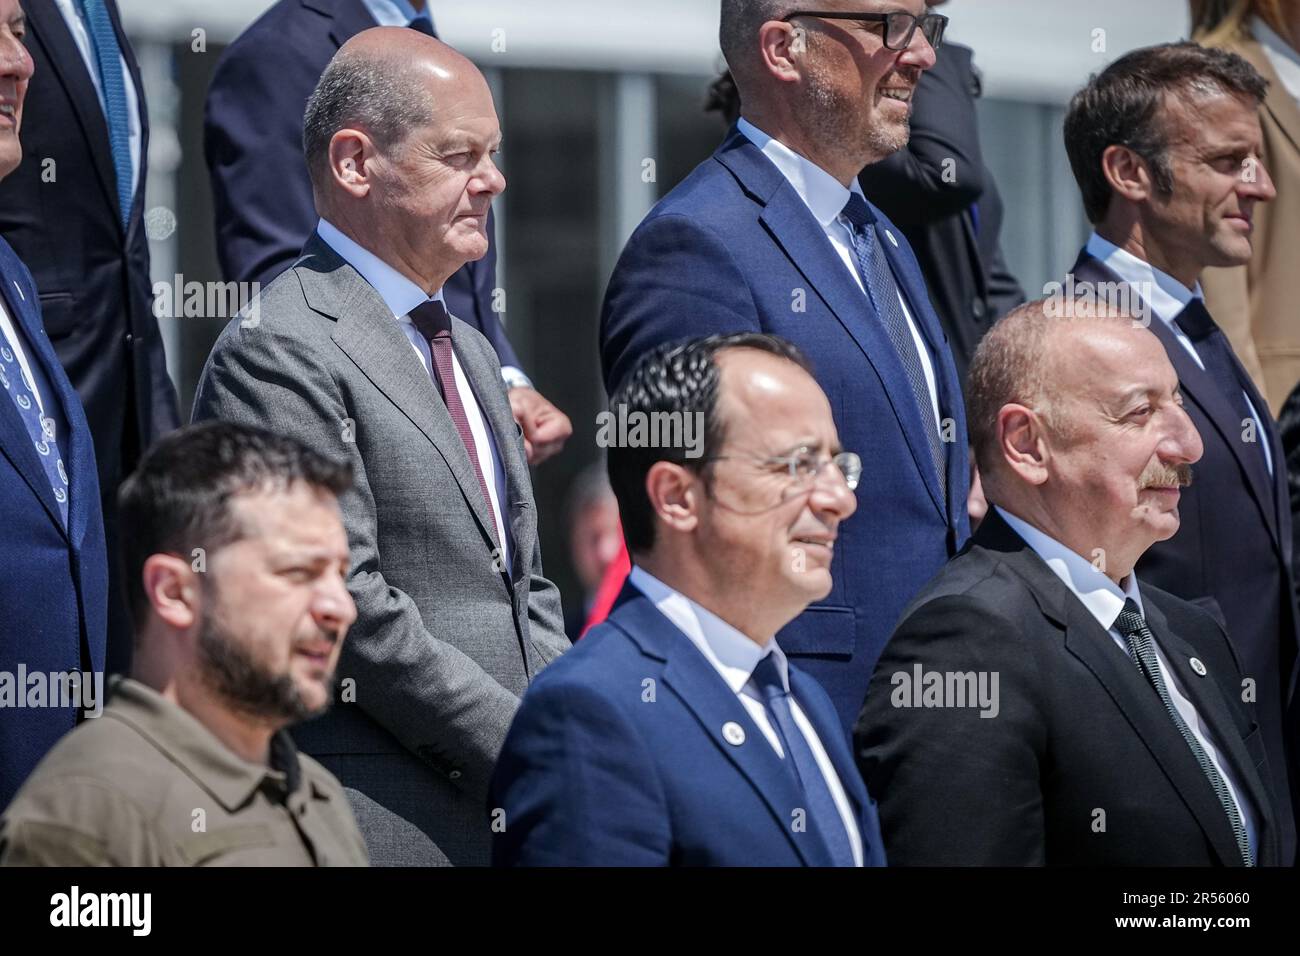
[(1258, 305)]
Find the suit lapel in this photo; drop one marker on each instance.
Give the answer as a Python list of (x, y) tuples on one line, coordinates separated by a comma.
[(706, 695), (787, 218), (1206, 697), (374, 341), (51, 33), (1132, 694), (1198, 386), (349, 18)]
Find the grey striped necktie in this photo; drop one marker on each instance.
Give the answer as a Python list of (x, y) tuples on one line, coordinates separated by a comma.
[(882, 290), (1141, 644)]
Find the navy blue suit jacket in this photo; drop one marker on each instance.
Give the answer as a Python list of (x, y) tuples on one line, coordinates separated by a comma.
[(617, 757), (252, 137), (54, 589), (734, 248)]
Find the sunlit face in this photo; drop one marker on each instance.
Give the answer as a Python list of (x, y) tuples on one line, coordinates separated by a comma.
[(595, 540), (276, 605), (774, 534), (15, 70), (857, 93), (437, 185), (1121, 443), (1214, 152)]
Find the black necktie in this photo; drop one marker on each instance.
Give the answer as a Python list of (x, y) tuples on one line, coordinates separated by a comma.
[(1141, 644), (1215, 351), (882, 290), (424, 25)]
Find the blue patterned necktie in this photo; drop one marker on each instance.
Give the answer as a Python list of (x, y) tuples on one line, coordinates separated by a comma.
[(108, 57), (40, 429), (882, 290), (1141, 644), (822, 813)]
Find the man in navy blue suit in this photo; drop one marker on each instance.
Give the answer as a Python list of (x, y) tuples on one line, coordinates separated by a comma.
[(54, 589), (677, 733), (262, 194), (772, 234)]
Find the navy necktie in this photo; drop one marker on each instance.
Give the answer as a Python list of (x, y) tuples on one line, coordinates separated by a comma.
[(882, 290), (1216, 352), (108, 57), (823, 817), (40, 428), (1141, 644)]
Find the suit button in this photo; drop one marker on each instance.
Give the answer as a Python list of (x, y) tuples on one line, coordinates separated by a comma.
[(978, 309), (454, 775)]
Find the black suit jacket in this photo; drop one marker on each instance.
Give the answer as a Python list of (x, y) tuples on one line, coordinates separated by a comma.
[(95, 291), (253, 142), (961, 258), (1232, 552), (1081, 764)]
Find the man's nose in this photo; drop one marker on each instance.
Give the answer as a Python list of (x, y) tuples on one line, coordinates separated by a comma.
[(1256, 181), (1183, 444), (333, 607), (832, 495), (490, 178), (919, 52), (15, 61)]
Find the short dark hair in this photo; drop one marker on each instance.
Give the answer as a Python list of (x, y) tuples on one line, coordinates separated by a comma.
[(384, 97), (680, 377), (1125, 105), (179, 498)]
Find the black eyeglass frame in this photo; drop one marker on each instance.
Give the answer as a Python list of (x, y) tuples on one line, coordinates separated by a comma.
[(917, 21)]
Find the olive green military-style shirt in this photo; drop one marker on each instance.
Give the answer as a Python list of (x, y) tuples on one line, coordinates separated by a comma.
[(146, 784)]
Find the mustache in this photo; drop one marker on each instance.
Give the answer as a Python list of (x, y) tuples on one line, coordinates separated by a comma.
[(1160, 475)]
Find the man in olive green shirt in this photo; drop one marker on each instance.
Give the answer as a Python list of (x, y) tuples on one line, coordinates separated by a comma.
[(235, 549)]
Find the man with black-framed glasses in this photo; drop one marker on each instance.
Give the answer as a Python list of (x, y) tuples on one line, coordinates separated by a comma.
[(773, 234), (677, 732)]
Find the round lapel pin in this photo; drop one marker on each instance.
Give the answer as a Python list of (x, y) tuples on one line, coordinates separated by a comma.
[(733, 733)]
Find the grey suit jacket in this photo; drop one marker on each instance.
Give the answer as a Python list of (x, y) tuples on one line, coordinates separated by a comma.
[(445, 640)]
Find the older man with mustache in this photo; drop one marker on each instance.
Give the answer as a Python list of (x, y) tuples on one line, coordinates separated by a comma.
[(1037, 704), (773, 234)]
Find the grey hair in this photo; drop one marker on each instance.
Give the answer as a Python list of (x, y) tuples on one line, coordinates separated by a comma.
[(382, 96), (738, 28)]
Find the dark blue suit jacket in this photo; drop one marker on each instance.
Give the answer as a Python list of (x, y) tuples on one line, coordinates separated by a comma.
[(617, 757), (734, 248), (252, 134), (54, 589)]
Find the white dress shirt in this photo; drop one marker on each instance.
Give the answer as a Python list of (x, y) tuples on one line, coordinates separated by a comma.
[(825, 198), (401, 295), (1281, 56), (1104, 601), (1167, 297), (81, 36), (734, 656)]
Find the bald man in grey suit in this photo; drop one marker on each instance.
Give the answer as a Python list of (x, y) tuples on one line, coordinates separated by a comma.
[(352, 351)]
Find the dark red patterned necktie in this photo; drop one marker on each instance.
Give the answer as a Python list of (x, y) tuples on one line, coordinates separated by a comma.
[(432, 321)]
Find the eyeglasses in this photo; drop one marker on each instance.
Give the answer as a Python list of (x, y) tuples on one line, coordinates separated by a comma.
[(804, 465), (900, 26)]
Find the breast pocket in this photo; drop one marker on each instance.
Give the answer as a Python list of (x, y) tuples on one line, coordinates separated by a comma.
[(58, 314)]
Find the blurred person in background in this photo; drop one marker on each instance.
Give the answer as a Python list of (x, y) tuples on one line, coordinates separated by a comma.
[(1256, 304), (595, 540)]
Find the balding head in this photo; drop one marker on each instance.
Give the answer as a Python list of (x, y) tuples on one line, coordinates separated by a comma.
[(399, 137), (1078, 427)]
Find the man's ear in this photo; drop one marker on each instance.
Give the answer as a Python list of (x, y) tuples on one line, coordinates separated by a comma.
[(350, 154), (674, 493), (1128, 173), (171, 586), (1022, 442), (780, 44)]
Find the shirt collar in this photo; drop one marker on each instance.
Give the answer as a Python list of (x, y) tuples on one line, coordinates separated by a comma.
[(186, 742), (732, 654), (1166, 296), (821, 192), (394, 13), (1103, 598), (399, 293), (1284, 58)]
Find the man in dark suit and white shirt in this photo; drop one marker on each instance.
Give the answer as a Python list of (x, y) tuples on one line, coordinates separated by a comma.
[(262, 193), (772, 234), (74, 213), (1037, 705), (1165, 144), (54, 588), (677, 733), (352, 350)]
